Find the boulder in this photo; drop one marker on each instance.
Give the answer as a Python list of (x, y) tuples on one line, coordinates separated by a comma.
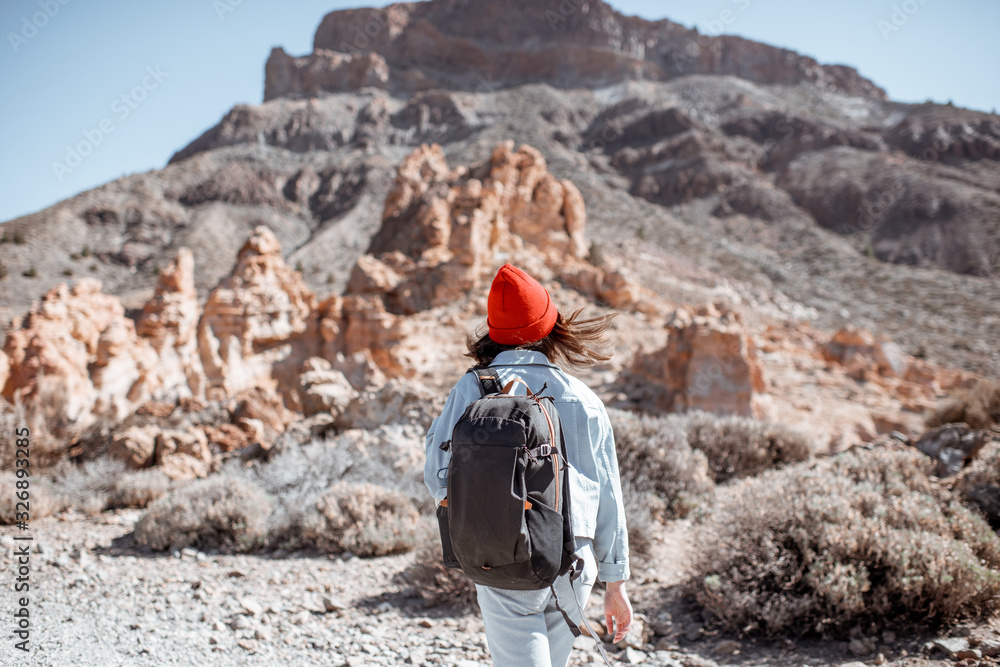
[(261, 414), (397, 402), (709, 363), (136, 446), (183, 454), (323, 389), (4, 370), (952, 446), (864, 356)]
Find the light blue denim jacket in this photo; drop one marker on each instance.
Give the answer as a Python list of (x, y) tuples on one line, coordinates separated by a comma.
[(595, 488)]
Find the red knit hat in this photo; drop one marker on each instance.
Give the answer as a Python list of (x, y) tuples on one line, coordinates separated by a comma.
[(519, 309)]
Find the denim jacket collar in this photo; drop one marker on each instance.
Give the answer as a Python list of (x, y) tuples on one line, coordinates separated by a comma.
[(521, 357)]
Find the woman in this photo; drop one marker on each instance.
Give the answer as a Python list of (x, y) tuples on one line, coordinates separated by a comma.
[(525, 335)]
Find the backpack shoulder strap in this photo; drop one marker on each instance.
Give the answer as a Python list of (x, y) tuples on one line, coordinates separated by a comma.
[(489, 380)]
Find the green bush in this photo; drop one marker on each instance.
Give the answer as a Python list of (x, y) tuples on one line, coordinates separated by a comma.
[(218, 512), (863, 539)]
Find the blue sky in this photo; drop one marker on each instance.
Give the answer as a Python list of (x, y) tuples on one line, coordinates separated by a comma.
[(181, 65)]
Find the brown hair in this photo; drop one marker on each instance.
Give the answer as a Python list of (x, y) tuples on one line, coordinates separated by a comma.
[(573, 342)]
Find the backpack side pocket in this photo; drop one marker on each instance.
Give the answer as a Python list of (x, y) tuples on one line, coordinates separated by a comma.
[(448, 552)]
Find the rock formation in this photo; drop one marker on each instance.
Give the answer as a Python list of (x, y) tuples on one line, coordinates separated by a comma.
[(465, 45), (446, 231), (254, 326), (709, 363), (76, 358), (170, 322)]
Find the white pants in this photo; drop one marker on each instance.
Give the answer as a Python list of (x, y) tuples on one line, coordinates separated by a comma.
[(525, 629)]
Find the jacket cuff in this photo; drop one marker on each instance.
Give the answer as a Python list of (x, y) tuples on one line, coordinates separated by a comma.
[(612, 572)]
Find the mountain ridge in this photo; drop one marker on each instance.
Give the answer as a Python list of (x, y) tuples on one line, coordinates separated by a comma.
[(869, 211), (462, 45)]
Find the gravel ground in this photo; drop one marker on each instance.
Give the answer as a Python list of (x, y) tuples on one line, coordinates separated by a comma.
[(94, 600)]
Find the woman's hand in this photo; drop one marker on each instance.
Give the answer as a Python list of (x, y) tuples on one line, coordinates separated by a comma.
[(617, 610)]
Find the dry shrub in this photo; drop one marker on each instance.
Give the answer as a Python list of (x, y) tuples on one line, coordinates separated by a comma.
[(863, 539), (979, 483), (137, 489), (979, 407), (741, 447), (87, 487), (12, 417), (42, 498), (365, 519), (218, 512), (440, 586), (299, 475), (657, 465), (642, 525)]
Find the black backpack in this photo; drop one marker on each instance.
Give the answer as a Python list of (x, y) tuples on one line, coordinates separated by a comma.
[(506, 519)]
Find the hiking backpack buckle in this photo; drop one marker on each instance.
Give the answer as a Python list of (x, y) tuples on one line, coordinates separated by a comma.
[(544, 450)]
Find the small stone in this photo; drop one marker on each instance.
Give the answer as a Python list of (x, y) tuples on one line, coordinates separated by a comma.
[(251, 606), (693, 632), (240, 623), (664, 659), (246, 645), (218, 626), (727, 647), (880, 659), (631, 656), (859, 646), (990, 648), (853, 664), (190, 552), (426, 623), (951, 645), (665, 644), (969, 654), (889, 637), (333, 604), (356, 661), (262, 635)]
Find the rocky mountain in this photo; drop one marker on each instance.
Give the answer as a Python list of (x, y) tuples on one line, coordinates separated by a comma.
[(709, 163), (251, 342)]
